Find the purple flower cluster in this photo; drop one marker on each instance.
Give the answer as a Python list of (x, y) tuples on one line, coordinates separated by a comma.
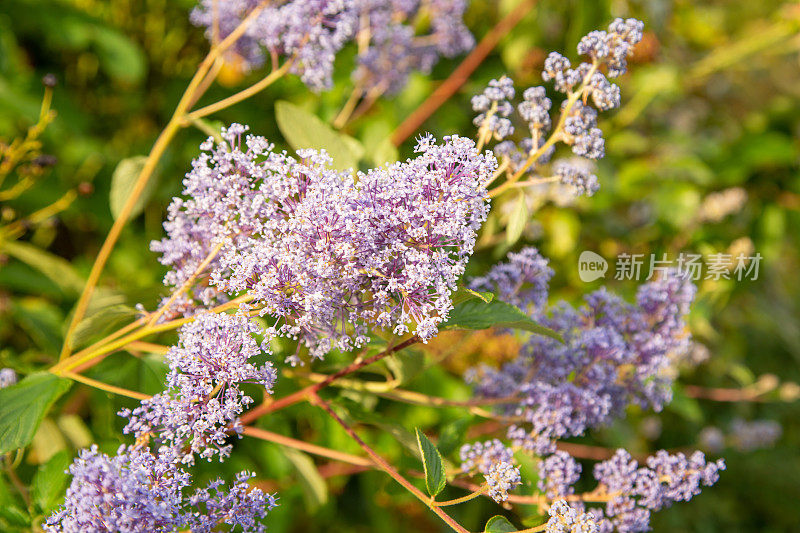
[(557, 474), (482, 456), (636, 491), (390, 47), (494, 107), (311, 32), (614, 354), (566, 519), (307, 32), (582, 84), (521, 281), (501, 478), (577, 176), (324, 253), (139, 490), (203, 399), (494, 460), (136, 491)]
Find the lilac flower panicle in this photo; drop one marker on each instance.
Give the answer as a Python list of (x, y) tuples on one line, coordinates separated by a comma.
[(137, 491), (557, 475), (482, 456), (615, 354), (522, 281), (203, 399), (7, 377), (501, 478), (134, 491), (566, 519), (394, 49), (240, 505), (322, 253), (310, 33), (638, 490), (576, 175), (494, 107)]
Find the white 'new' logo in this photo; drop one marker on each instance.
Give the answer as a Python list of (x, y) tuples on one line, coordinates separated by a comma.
[(591, 266)]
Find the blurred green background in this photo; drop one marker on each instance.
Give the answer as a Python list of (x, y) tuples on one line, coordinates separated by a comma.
[(711, 104)]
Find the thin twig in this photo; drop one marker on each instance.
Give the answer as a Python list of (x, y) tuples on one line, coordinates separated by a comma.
[(386, 467)]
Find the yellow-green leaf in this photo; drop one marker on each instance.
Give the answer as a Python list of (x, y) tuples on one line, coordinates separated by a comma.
[(122, 183), (302, 129), (435, 479)]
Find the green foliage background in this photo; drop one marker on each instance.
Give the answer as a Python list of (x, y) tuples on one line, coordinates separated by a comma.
[(712, 103)]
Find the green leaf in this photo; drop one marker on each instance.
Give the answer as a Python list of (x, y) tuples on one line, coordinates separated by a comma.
[(315, 490), (57, 270), (463, 294), (499, 524), (122, 183), (453, 435), (302, 129), (119, 55), (518, 220), (50, 481), (23, 406), (15, 515), (106, 310), (478, 314), (432, 463), (406, 365)]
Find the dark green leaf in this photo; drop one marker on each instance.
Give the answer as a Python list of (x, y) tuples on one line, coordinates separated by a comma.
[(122, 183), (302, 129), (50, 481), (478, 314), (432, 463), (23, 406), (499, 524)]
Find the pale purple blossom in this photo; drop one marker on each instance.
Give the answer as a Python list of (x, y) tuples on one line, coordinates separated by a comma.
[(203, 399)]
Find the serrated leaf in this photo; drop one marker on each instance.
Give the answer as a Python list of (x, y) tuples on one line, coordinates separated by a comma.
[(478, 314), (50, 481), (315, 490), (23, 406), (122, 183), (302, 129), (57, 270), (435, 479), (517, 220), (499, 524)]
